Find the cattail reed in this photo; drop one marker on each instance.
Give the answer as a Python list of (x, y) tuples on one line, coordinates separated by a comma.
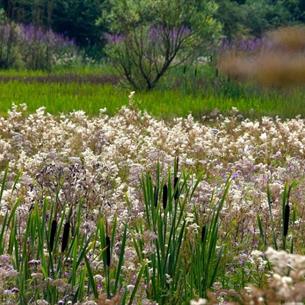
[(156, 195), (203, 233), (53, 233), (65, 236), (108, 252), (176, 179), (176, 188), (31, 208), (286, 219), (164, 197), (176, 165)]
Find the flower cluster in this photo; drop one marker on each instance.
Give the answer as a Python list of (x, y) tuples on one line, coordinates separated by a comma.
[(284, 282), (101, 158)]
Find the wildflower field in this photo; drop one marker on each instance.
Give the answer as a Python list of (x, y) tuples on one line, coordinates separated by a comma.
[(152, 152), (130, 209)]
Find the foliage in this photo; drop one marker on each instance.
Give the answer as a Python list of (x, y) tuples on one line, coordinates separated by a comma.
[(149, 37), (286, 219), (244, 18), (10, 55), (75, 19), (3, 17), (232, 17), (263, 15), (34, 48)]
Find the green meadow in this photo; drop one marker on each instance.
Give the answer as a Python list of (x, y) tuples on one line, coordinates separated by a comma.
[(86, 89)]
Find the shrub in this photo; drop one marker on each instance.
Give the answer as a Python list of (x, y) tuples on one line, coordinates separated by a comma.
[(34, 48), (148, 37), (9, 51), (44, 49)]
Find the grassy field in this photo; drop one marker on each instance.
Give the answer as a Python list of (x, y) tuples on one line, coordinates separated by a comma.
[(91, 89), (59, 98), (130, 209)]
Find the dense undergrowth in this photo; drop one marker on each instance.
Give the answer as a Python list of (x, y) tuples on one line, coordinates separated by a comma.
[(92, 209), (172, 252)]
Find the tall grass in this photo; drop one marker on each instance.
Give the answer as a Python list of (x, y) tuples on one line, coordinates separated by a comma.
[(176, 257), (168, 275), (196, 90), (56, 259), (205, 255), (53, 255), (277, 230)]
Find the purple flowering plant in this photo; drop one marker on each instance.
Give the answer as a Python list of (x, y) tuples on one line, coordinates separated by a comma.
[(34, 47)]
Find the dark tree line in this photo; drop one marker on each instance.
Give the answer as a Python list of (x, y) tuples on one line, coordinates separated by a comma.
[(77, 18), (253, 17), (73, 18)]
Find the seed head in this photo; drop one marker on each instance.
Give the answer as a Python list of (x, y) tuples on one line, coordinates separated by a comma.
[(156, 195), (164, 197), (176, 188), (53, 233), (108, 253), (203, 233), (65, 236), (286, 219)]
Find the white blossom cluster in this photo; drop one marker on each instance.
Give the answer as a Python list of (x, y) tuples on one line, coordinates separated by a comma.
[(101, 158), (99, 161), (284, 263)]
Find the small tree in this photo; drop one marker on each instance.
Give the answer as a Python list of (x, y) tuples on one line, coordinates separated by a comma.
[(149, 36)]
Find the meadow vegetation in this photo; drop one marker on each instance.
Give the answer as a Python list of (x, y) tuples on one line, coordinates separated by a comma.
[(178, 94), (152, 152), (128, 209)]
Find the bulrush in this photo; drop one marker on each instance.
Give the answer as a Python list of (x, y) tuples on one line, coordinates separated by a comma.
[(164, 197), (176, 166), (53, 233), (176, 188), (176, 179), (286, 219), (108, 253), (65, 236), (203, 233), (156, 195)]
